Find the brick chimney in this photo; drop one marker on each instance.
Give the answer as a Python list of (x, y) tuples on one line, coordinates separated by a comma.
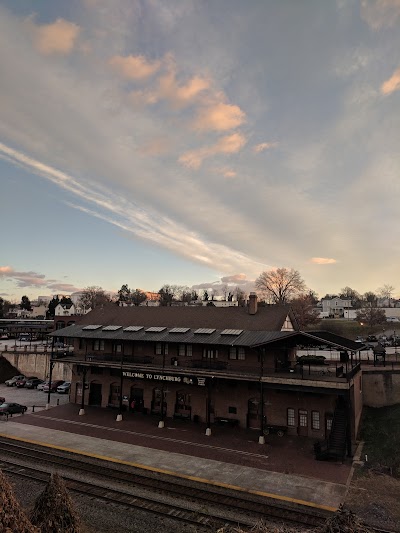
[(252, 303)]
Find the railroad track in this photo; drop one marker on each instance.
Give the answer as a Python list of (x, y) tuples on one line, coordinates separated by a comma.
[(220, 504)]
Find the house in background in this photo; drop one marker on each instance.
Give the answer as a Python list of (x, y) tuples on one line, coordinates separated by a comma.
[(335, 307)]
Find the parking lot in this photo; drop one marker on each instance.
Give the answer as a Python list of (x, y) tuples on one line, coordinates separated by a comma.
[(34, 400)]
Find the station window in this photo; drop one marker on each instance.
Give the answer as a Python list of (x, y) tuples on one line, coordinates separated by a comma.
[(232, 410), (315, 420), (98, 344), (290, 417), (185, 350), (237, 352), (210, 353), (161, 348)]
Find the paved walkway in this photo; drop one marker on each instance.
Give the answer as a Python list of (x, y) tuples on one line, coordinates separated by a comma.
[(230, 457)]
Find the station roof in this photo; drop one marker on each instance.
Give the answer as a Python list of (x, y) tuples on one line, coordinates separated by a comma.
[(210, 336)]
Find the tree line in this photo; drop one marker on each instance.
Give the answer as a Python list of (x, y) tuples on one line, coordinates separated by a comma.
[(276, 286)]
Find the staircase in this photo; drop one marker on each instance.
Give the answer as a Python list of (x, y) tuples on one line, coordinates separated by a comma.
[(337, 438), (335, 446)]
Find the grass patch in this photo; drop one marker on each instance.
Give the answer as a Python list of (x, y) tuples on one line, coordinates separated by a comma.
[(380, 429)]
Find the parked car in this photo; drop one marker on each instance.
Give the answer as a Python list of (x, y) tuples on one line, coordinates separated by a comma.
[(8, 408), (52, 387), (22, 382), (13, 381), (64, 388), (372, 338), (33, 383), (360, 339), (41, 386)]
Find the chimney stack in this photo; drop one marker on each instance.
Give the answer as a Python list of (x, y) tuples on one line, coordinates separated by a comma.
[(252, 303)]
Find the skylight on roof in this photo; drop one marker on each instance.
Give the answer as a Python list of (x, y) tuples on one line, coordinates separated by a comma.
[(133, 328), (92, 327), (111, 328), (204, 331), (155, 329), (231, 332), (179, 330)]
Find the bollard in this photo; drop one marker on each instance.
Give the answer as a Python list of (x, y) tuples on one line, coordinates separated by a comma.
[(58, 401), (33, 408)]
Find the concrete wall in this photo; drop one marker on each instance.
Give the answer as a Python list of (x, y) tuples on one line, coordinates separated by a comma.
[(381, 386), (37, 364)]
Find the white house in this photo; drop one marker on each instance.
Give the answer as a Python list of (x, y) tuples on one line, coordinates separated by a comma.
[(65, 310), (335, 307)]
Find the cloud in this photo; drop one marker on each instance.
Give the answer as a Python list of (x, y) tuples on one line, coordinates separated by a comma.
[(380, 13), (33, 279), (323, 261), (134, 67), (226, 172), (56, 38), (180, 94), (219, 117), (229, 144), (235, 278), (392, 84), (264, 146)]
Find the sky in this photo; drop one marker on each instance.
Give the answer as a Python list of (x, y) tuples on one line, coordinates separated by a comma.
[(197, 143)]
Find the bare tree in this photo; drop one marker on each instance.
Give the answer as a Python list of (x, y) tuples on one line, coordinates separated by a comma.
[(93, 297), (280, 285), (304, 311), (351, 294), (370, 298), (371, 316), (386, 292)]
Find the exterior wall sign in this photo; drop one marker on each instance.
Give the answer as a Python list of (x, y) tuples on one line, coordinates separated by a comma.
[(186, 380)]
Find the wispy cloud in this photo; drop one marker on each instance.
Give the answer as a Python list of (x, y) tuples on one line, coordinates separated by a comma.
[(230, 144), (323, 260), (392, 84), (134, 67), (34, 280), (379, 14), (219, 117), (129, 217), (264, 146)]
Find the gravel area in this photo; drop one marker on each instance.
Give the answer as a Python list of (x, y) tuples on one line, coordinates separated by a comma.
[(100, 517)]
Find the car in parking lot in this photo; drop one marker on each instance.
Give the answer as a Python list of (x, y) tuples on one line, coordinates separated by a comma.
[(13, 381), (372, 338), (33, 383), (8, 408), (22, 382), (64, 388), (41, 386), (52, 387)]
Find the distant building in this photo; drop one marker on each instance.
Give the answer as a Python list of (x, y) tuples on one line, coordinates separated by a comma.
[(335, 307)]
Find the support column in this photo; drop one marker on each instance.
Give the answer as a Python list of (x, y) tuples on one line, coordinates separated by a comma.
[(50, 379), (82, 409), (119, 415), (208, 429), (161, 423), (261, 438)]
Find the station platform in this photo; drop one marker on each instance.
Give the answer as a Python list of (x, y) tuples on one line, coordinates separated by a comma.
[(284, 468)]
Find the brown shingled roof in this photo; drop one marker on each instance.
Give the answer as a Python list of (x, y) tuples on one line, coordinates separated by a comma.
[(270, 318)]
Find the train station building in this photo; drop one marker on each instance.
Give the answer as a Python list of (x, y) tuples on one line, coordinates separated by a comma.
[(233, 366)]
